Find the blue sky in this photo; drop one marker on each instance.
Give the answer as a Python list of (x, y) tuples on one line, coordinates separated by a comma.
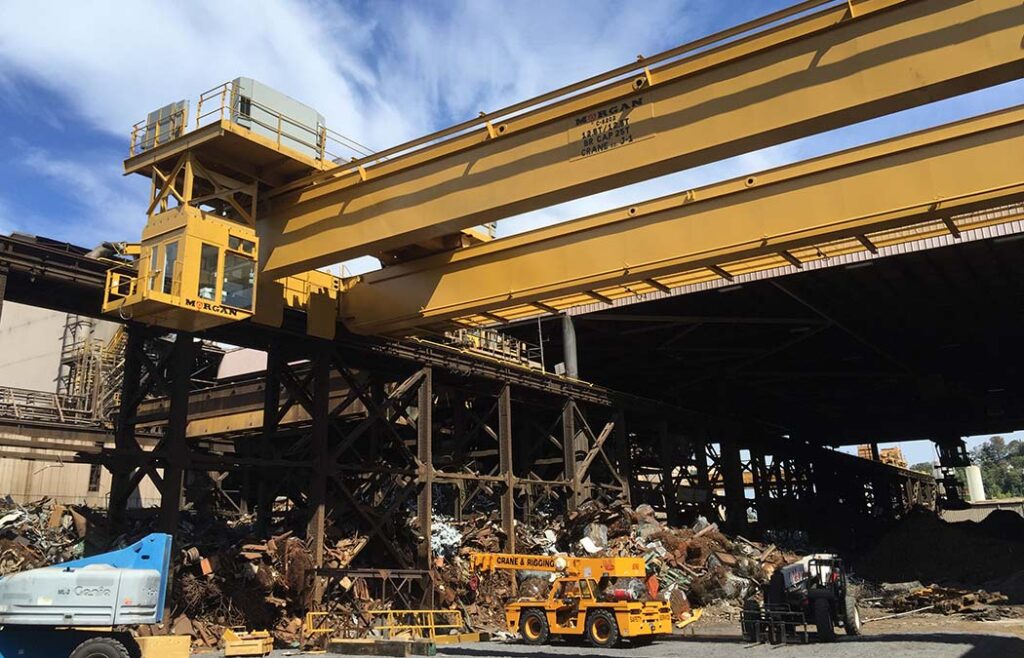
[(75, 76)]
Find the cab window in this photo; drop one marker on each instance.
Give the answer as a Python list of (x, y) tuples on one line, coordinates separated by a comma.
[(209, 256), (239, 280), (170, 259)]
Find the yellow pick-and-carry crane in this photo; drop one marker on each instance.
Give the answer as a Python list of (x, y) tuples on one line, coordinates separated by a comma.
[(582, 601)]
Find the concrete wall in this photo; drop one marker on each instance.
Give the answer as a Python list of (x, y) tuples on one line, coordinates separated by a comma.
[(26, 481), (30, 340), (978, 511)]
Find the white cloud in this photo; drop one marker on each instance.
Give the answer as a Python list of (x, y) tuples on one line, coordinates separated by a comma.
[(108, 207), (380, 72)]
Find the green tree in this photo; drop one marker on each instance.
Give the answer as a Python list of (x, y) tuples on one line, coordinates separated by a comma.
[(1002, 467)]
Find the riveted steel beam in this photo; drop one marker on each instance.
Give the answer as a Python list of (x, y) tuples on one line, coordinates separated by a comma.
[(809, 74), (742, 223)]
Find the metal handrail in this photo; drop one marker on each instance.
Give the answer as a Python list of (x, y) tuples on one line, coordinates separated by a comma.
[(425, 621), (178, 121)]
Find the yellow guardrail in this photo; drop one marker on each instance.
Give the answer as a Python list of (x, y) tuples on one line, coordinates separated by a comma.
[(423, 624)]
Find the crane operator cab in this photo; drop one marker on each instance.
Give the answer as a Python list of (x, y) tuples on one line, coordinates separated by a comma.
[(194, 271)]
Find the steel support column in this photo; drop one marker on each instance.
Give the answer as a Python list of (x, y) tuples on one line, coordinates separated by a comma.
[(175, 440), (505, 466), (732, 478), (424, 454), (669, 464), (121, 486), (321, 384)]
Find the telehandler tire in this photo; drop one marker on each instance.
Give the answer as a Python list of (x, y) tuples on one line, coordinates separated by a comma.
[(602, 629), (533, 626)]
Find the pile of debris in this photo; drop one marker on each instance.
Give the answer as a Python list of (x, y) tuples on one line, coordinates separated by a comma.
[(909, 598), (38, 534), (689, 567), (228, 574)]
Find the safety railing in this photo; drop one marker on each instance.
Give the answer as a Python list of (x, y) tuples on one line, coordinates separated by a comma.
[(225, 102), (146, 135), (119, 285), (28, 405), (418, 624)]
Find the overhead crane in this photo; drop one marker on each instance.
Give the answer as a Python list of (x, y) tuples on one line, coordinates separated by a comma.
[(251, 179)]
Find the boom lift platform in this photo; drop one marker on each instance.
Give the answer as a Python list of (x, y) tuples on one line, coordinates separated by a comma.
[(582, 601)]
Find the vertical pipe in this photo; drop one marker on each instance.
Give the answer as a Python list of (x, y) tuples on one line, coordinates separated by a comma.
[(572, 368), (505, 466)]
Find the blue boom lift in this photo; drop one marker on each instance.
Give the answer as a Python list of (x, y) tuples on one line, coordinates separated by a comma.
[(85, 608)]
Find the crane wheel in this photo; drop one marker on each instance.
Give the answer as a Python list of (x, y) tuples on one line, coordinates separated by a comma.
[(823, 620), (602, 629), (100, 647), (533, 626)]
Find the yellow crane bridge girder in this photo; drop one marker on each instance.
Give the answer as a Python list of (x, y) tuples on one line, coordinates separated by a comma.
[(817, 67), (724, 229)]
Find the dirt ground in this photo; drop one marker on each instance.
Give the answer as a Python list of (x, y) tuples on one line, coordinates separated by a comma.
[(920, 636)]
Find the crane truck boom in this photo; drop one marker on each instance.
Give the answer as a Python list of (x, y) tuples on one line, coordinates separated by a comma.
[(587, 567), (82, 607), (580, 601)]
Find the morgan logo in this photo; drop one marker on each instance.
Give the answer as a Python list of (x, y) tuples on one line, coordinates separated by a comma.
[(609, 111), (211, 308)]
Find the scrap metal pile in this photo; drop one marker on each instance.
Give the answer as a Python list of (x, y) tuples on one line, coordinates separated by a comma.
[(689, 567), (39, 534), (227, 575)]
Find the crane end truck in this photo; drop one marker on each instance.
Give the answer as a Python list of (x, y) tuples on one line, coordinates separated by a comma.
[(85, 608), (582, 600)]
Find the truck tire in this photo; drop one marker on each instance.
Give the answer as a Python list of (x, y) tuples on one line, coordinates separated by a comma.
[(851, 621), (533, 626), (602, 629), (823, 620), (100, 647)]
